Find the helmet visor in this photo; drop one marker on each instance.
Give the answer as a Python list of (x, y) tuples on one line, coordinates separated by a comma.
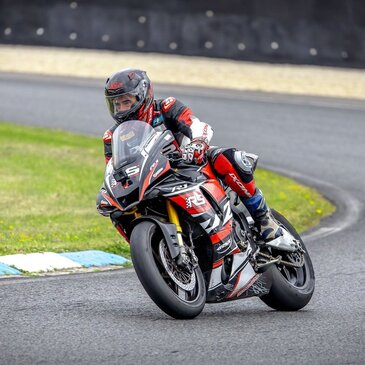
[(124, 106)]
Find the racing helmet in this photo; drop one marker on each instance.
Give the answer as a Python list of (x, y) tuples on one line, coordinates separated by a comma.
[(129, 82)]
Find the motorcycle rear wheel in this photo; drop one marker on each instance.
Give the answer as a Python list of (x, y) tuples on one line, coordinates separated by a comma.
[(292, 288), (178, 293)]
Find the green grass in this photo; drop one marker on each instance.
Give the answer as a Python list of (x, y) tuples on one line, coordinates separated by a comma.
[(302, 206), (49, 181)]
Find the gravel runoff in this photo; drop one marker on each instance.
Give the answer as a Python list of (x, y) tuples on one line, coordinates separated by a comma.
[(187, 70)]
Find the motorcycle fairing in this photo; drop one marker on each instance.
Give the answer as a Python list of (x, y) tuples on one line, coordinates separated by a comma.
[(199, 193), (208, 205), (198, 201), (261, 286), (129, 193), (241, 278), (131, 172)]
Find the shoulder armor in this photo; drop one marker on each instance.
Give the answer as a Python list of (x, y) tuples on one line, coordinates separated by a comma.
[(107, 137), (167, 104)]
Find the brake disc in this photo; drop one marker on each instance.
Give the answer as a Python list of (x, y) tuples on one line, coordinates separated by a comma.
[(185, 280)]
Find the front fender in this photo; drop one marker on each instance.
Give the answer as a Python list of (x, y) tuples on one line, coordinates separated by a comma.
[(168, 230)]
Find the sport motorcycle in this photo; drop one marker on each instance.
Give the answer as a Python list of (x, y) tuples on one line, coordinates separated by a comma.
[(192, 240)]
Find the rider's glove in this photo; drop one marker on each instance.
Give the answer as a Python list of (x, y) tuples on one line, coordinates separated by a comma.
[(194, 152)]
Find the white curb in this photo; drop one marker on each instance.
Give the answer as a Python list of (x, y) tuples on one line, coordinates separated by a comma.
[(39, 262)]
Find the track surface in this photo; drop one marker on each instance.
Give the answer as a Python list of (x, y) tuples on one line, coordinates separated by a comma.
[(107, 317)]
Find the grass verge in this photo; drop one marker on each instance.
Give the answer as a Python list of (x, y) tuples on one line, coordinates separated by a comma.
[(49, 181)]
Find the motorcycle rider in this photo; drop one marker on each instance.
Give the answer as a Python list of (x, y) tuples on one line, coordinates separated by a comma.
[(129, 96)]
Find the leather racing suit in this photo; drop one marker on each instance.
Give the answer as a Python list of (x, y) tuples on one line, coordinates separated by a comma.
[(229, 164)]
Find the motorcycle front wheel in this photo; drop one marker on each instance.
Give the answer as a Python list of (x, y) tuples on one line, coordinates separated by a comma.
[(178, 292), (292, 287)]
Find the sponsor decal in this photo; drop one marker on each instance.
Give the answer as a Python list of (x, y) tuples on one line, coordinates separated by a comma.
[(168, 103), (205, 133), (179, 187), (107, 136), (196, 199), (133, 170), (224, 246), (115, 85), (127, 136), (239, 183)]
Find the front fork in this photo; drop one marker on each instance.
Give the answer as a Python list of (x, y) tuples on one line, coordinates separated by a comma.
[(183, 258)]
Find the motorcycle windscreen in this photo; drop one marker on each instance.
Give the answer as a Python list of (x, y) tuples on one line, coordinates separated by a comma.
[(129, 140)]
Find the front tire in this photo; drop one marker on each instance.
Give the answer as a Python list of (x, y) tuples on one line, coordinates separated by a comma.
[(178, 293), (292, 288)]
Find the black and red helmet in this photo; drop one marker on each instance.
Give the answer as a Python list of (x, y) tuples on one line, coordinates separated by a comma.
[(129, 82)]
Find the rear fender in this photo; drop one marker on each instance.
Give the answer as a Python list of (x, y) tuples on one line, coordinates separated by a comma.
[(168, 230)]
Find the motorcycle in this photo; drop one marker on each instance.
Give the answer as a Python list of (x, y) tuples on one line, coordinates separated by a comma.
[(192, 240)]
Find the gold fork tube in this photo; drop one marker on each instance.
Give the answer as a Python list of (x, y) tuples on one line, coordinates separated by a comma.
[(173, 217)]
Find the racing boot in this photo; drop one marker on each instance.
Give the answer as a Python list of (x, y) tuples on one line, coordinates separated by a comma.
[(260, 212)]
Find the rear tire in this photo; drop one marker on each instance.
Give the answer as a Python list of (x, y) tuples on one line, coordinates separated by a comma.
[(292, 288), (175, 292)]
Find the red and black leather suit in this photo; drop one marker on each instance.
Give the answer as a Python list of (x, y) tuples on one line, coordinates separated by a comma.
[(232, 166)]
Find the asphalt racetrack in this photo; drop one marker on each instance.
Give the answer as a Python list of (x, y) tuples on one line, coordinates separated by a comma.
[(108, 318)]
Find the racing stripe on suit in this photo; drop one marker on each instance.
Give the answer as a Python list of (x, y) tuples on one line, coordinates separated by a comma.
[(235, 169)]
